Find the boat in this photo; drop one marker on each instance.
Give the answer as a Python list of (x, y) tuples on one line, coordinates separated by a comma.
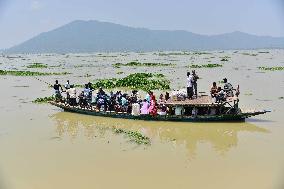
[(224, 112)]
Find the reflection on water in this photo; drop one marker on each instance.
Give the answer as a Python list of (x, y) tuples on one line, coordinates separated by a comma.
[(222, 136)]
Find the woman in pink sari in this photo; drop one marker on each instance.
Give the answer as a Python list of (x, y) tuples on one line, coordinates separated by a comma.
[(145, 107)]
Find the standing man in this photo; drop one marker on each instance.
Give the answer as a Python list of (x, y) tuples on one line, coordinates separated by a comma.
[(72, 93), (189, 85), (57, 88), (67, 86), (194, 83)]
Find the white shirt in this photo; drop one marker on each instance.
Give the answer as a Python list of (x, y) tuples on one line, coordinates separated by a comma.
[(72, 92), (189, 81)]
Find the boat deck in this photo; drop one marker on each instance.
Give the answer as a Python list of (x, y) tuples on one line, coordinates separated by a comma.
[(201, 101)]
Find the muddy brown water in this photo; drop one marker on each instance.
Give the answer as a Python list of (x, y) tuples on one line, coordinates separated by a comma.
[(44, 147)]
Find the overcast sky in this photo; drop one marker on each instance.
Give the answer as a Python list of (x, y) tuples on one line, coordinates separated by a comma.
[(23, 19)]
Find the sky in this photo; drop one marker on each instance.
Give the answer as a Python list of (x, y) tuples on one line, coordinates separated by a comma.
[(21, 20)]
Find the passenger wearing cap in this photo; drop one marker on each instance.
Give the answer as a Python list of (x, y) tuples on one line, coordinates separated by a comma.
[(228, 88)]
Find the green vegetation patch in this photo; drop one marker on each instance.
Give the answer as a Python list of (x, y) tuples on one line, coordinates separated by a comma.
[(173, 54), (206, 66), (263, 52), (37, 65), (276, 68), (201, 53), (118, 65), (225, 58), (134, 136), (44, 99), (143, 81), (28, 73)]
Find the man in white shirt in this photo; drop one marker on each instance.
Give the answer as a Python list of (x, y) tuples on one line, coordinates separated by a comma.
[(189, 85), (72, 94)]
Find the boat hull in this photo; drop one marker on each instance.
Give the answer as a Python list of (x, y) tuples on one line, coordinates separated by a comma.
[(216, 118)]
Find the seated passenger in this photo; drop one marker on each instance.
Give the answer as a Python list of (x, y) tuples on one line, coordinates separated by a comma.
[(101, 91), (221, 95), (145, 107), (161, 99), (167, 96), (228, 88), (153, 107), (214, 90), (86, 91), (147, 97), (124, 102), (81, 99), (163, 110), (194, 112)]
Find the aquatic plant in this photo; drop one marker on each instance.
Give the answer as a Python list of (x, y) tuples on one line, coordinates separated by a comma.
[(143, 81), (28, 73), (173, 53), (224, 60), (201, 53), (44, 99), (205, 66), (134, 136), (263, 52), (276, 68), (118, 65), (119, 73), (37, 65)]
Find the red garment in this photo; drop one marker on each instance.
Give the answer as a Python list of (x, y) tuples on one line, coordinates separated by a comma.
[(152, 97), (153, 108)]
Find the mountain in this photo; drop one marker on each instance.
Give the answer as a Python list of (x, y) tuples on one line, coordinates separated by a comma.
[(95, 36)]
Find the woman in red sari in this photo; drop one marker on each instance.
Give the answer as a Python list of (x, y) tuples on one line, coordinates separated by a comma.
[(153, 105)]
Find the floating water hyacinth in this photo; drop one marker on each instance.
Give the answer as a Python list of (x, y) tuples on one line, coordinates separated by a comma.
[(206, 66), (134, 136), (277, 68), (173, 54), (29, 73), (143, 81), (118, 65), (44, 99), (37, 65)]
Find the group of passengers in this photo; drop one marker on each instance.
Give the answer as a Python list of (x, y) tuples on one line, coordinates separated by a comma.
[(118, 102), (133, 103), (220, 94), (217, 93)]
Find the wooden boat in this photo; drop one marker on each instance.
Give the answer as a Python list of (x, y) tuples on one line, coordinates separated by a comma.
[(227, 111)]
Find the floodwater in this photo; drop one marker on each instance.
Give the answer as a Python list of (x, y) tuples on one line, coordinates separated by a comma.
[(44, 147)]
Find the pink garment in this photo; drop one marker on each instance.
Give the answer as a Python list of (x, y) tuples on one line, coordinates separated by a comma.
[(145, 107)]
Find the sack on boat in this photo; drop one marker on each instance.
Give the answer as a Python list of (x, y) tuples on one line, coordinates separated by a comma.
[(179, 95), (135, 109)]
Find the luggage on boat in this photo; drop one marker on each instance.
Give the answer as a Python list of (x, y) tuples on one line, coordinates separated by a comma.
[(135, 109)]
